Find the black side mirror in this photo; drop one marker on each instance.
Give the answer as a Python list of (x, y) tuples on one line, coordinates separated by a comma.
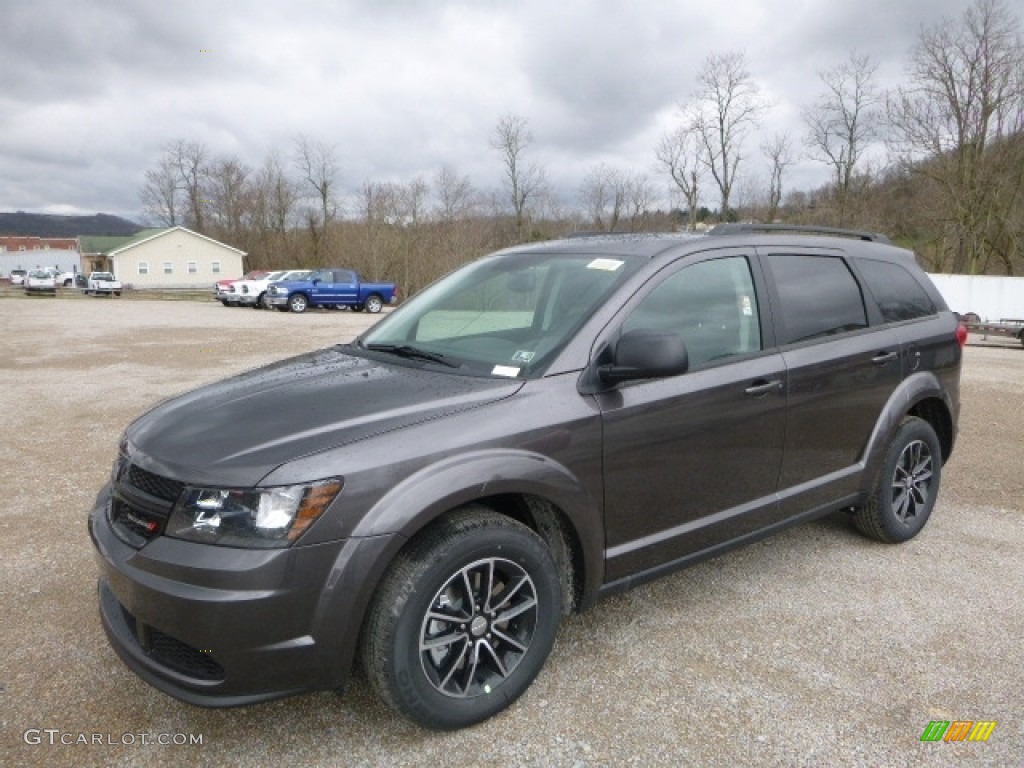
[(645, 353)]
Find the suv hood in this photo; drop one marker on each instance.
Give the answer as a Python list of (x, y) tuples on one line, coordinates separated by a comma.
[(234, 432)]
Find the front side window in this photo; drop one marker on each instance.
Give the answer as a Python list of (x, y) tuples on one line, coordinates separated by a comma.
[(711, 304), (819, 296), (508, 315)]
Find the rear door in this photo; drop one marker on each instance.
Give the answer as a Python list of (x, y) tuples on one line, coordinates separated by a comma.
[(692, 461), (841, 371)]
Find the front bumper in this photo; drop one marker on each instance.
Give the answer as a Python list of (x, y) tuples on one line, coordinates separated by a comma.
[(220, 626), (276, 300)]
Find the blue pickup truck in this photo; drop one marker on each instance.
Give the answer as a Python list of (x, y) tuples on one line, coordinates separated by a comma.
[(330, 288)]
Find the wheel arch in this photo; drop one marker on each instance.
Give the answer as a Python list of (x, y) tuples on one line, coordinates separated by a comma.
[(921, 395), (532, 489)]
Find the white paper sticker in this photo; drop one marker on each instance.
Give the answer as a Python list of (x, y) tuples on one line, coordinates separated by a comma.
[(505, 370), (608, 265), (748, 310)]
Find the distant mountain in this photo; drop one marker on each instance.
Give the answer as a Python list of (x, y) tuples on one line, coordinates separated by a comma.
[(49, 225)]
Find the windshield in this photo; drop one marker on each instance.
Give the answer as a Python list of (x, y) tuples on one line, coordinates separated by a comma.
[(506, 315)]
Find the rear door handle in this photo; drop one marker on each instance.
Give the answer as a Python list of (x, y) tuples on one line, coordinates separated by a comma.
[(882, 358), (763, 387)]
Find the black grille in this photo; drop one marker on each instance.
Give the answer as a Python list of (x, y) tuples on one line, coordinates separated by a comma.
[(154, 485), (140, 522), (172, 653)]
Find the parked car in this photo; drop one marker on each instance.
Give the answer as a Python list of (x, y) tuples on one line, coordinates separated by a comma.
[(330, 288), (18, 276), (66, 279), (546, 426), (253, 292), (40, 281), (103, 284), (222, 288)]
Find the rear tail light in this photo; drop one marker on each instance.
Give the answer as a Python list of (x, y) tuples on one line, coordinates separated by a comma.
[(961, 334)]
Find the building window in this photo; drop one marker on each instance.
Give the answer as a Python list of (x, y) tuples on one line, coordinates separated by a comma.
[(143, 267), (215, 267), (193, 268), (168, 268)]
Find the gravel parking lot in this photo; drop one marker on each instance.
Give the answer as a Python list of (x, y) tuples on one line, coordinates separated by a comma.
[(813, 648)]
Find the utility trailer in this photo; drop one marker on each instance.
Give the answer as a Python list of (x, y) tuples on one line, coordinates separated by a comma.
[(1005, 327)]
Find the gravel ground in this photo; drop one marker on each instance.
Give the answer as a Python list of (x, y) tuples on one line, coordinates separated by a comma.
[(813, 648)]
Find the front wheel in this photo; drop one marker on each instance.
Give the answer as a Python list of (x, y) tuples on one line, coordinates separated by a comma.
[(297, 303), (463, 621), (374, 304), (907, 486)]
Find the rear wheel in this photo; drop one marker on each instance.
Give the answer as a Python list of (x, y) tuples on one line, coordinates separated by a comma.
[(907, 485), (297, 303), (463, 621), (374, 304)]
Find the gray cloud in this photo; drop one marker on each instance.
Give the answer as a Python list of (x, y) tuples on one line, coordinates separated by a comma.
[(91, 91)]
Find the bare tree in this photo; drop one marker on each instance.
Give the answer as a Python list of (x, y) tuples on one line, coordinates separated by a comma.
[(844, 121), (454, 195), (603, 193), (189, 160), (728, 107), (966, 97), (524, 180), (681, 152), (318, 167), (639, 195), (228, 193), (161, 193), (778, 152)]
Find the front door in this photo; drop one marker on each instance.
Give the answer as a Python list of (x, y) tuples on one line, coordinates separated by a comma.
[(692, 461)]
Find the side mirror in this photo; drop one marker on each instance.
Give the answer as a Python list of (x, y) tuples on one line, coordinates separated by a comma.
[(645, 353)]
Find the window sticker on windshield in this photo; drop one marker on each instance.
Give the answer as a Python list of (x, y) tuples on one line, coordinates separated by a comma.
[(747, 308), (505, 370), (608, 265), (523, 356)]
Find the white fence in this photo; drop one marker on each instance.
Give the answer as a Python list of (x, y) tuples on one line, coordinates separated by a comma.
[(990, 298)]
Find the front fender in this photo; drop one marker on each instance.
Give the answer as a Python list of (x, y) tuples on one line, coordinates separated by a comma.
[(459, 480)]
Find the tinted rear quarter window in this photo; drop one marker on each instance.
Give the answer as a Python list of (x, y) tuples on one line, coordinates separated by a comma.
[(898, 294), (819, 296)]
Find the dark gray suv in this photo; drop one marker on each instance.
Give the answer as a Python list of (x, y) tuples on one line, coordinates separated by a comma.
[(541, 428)]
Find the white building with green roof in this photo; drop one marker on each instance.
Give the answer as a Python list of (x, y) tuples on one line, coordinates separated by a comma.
[(174, 257)]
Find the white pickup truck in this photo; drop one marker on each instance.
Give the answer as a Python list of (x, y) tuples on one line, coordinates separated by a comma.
[(102, 283)]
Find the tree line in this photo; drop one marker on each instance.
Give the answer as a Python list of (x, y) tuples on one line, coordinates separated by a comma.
[(949, 184)]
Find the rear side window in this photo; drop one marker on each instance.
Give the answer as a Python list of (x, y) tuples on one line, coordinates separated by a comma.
[(819, 296), (898, 294)]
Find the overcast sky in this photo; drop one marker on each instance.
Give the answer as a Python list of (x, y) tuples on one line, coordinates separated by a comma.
[(91, 90)]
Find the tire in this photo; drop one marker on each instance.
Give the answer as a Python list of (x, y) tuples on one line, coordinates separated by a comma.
[(224, 302), (297, 303), (488, 661), (261, 302), (374, 304), (117, 293), (907, 485)]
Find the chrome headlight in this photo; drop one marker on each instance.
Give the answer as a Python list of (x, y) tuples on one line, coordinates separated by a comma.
[(257, 517)]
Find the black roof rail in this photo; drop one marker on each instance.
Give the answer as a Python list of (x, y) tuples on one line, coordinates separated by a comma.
[(736, 229)]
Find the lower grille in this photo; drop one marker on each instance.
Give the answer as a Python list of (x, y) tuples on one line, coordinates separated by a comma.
[(172, 653)]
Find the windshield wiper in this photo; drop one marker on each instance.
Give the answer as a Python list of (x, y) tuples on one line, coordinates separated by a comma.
[(409, 351)]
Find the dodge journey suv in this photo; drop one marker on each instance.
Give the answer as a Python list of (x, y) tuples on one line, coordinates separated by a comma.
[(541, 428)]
